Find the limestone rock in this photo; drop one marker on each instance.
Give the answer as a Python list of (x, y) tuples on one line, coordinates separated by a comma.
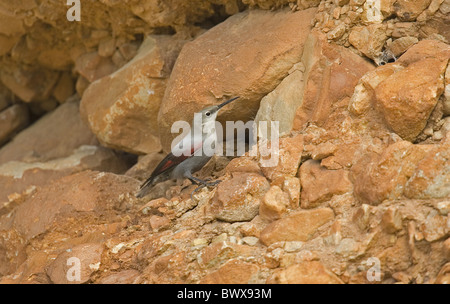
[(407, 98), (222, 63), (409, 10), (29, 84), (286, 161), (17, 176), (305, 273), (121, 109), (431, 179), (380, 177), (44, 141), (232, 272), (238, 199), (274, 204), (297, 226), (86, 256), (331, 74), (12, 120), (38, 212), (319, 184), (369, 39)]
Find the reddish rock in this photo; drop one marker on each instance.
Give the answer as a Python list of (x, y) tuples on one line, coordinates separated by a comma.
[(391, 220), (291, 185), (332, 73), (297, 226), (368, 39), (222, 63), (274, 204), (243, 164), (312, 272), (64, 88), (319, 184), (129, 276), (12, 120), (286, 161), (407, 10), (15, 176), (232, 272), (443, 276), (121, 109), (76, 265), (43, 141), (431, 178), (238, 199), (81, 192), (379, 177), (219, 252), (30, 84), (407, 98), (92, 66)]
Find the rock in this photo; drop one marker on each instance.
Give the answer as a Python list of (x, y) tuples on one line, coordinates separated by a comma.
[(243, 164), (379, 177), (431, 178), (434, 227), (219, 252), (297, 226), (75, 266), (286, 161), (331, 74), (391, 220), (222, 63), (369, 39), (122, 277), (443, 276), (43, 141), (447, 92), (312, 272), (446, 248), (280, 104), (92, 66), (29, 84), (409, 10), (362, 100), (319, 184), (401, 45), (291, 185), (238, 198), (407, 98), (64, 88), (17, 176), (145, 165), (80, 192), (12, 120), (233, 271), (274, 204), (125, 117)]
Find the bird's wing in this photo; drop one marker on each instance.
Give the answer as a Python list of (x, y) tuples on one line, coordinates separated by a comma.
[(169, 162)]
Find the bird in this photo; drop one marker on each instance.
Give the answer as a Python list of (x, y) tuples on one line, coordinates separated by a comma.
[(193, 156)]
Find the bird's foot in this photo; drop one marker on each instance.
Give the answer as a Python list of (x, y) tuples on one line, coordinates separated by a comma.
[(203, 184)]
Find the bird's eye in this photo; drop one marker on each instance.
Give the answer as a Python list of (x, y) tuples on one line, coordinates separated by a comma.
[(208, 114)]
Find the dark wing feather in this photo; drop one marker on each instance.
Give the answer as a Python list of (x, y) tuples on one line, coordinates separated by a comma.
[(169, 162)]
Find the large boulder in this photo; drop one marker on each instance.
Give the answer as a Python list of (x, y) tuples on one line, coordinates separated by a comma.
[(121, 109), (232, 59)]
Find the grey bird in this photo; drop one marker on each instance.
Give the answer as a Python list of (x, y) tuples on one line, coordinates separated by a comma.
[(190, 156)]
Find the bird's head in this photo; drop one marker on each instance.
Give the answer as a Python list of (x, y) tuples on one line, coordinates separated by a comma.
[(210, 113)]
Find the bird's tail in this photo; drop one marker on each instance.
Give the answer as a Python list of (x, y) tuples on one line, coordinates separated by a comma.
[(145, 187)]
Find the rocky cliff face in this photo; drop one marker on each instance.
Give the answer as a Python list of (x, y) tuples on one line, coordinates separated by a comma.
[(361, 189)]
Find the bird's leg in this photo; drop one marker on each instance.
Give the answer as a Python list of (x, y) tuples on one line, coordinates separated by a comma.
[(201, 183)]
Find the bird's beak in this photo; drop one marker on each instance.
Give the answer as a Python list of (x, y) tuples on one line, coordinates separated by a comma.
[(227, 102)]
